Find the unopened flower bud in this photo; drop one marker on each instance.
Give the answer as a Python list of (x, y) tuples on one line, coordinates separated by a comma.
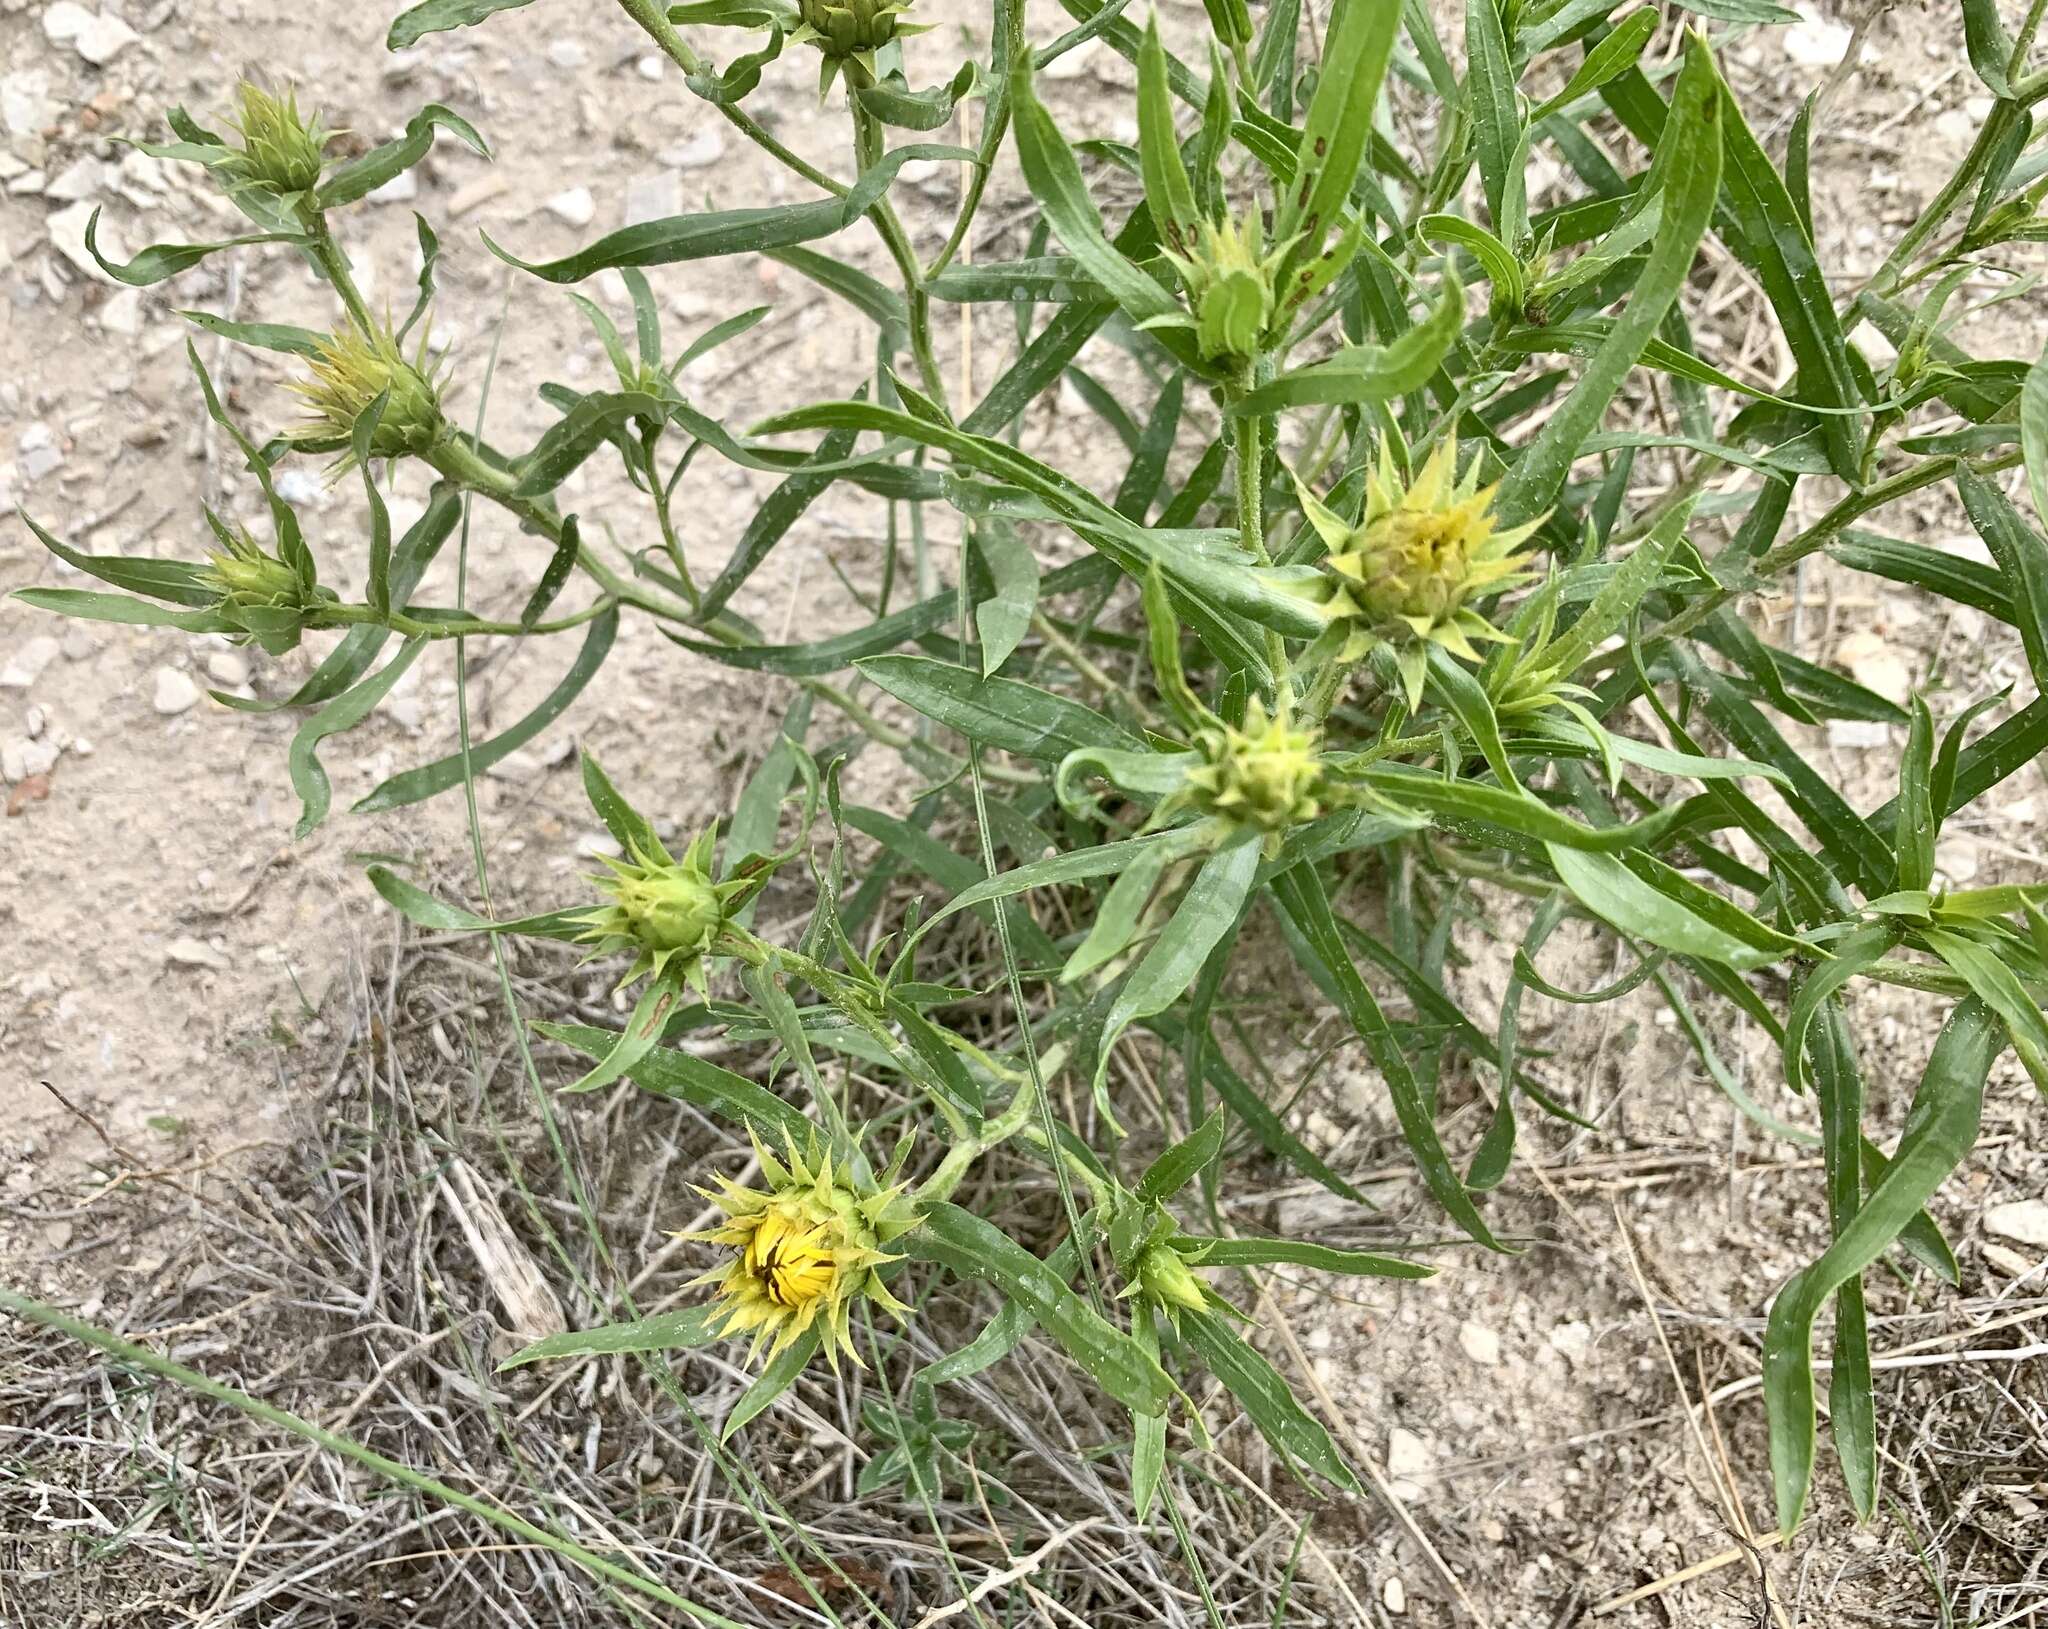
[(281, 151), (1405, 574), (349, 370), (847, 28), (1164, 1275), (1229, 275), (1265, 776), (668, 913)]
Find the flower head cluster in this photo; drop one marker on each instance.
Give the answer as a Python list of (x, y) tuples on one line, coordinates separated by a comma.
[(804, 1250), (1265, 776), (668, 912), (349, 369), (1404, 575), (281, 151), (1230, 276)]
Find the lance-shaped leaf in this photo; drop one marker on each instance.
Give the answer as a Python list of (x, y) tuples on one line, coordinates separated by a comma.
[(1688, 170), (1339, 124), (1941, 1126)]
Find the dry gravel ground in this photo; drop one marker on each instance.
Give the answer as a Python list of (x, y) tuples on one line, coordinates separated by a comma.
[(221, 1007)]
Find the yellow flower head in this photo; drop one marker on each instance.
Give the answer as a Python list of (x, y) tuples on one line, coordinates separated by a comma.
[(668, 912), (803, 1251), (1229, 276), (1265, 776), (280, 151), (349, 369), (1404, 574)]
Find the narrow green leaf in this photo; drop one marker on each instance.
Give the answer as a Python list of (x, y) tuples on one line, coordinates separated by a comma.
[(1003, 713), (1334, 136), (1267, 1399), (362, 176), (343, 713), (433, 16), (964, 1244), (1249, 1252), (1300, 894), (2022, 559), (1688, 169), (685, 1078), (1632, 906), (1941, 1126), (1490, 94), (1004, 617), (660, 1332), (428, 780)]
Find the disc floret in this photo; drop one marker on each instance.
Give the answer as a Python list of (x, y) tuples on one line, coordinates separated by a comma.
[(804, 1249), (1404, 576)]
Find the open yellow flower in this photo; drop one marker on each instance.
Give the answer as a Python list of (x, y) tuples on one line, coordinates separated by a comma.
[(803, 1251), (1405, 574)]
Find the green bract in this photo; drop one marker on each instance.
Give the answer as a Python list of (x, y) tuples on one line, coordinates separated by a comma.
[(280, 151)]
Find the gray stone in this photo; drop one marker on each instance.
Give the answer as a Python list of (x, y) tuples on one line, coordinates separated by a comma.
[(20, 759), (229, 669), (2024, 1221), (653, 197), (81, 178), (190, 952), (174, 692), (567, 54), (701, 151), (26, 665), (122, 313), (99, 37), (574, 207)]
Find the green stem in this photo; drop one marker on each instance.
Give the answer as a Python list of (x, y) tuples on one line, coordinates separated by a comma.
[(334, 264), (1815, 537), (341, 616), (133, 1356), (1249, 442), (654, 21), (2023, 41), (867, 153)]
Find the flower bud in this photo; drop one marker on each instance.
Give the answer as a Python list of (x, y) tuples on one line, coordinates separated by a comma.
[(263, 596), (1229, 277), (1164, 1275), (281, 151), (349, 369), (668, 913), (849, 28), (1264, 776)]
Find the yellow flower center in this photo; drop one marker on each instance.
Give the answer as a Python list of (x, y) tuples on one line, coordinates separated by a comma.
[(791, 1259)]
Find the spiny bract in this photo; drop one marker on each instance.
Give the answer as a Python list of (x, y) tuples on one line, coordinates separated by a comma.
[(281, 151), (669, 912), (1265, 776)]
